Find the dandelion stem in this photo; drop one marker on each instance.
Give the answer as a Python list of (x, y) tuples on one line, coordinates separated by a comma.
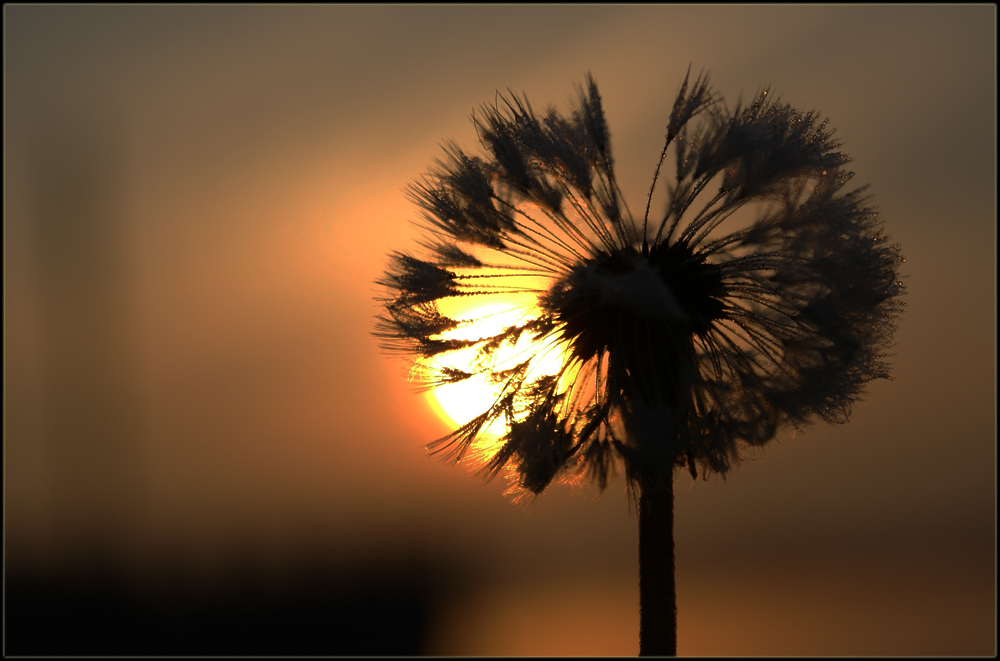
[(657, 592)]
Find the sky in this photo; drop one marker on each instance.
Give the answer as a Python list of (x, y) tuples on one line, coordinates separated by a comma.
[(199, 200)]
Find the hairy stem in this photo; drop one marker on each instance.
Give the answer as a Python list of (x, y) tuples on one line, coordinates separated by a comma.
[(657, 593)]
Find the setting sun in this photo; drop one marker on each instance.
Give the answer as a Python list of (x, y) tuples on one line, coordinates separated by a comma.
[(458, 403)]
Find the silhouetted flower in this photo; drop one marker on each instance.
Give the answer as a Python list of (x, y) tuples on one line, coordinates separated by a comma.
[(682, 338)]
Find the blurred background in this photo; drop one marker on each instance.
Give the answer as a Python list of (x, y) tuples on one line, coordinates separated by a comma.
[(206, 451)]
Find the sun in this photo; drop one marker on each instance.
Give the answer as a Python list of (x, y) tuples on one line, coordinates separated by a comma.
[(458, 403)]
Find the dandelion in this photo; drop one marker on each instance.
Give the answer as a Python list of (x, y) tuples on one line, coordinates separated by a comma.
[(763, 298)]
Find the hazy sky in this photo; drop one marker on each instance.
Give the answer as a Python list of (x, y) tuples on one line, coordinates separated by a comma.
[(198, 201)]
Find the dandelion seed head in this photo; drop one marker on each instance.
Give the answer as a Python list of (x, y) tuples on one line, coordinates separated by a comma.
[(674, 340)]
